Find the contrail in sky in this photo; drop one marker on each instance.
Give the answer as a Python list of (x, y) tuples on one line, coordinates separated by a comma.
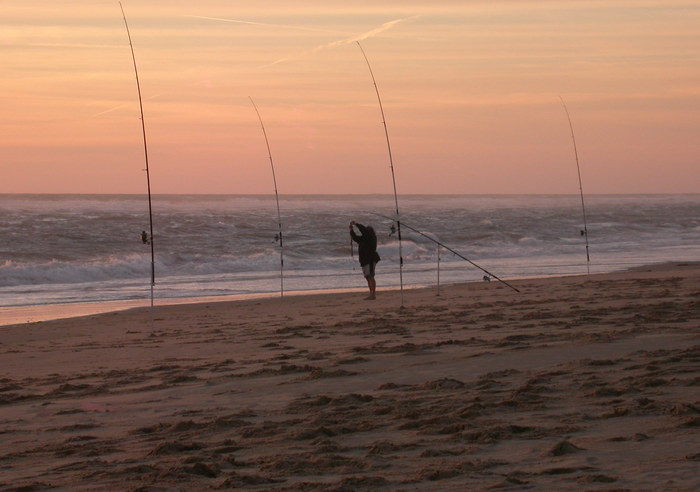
[(121, 106), (359, 37), (110, 110), (251, 23), (384, 27)]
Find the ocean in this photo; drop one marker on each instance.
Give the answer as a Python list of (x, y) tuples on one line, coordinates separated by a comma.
[(62, 249)]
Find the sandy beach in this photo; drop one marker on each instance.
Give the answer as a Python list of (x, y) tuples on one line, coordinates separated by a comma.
[(575, 383)]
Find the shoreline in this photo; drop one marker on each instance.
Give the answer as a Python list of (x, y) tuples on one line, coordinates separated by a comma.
[(14, 315), (18, 315)]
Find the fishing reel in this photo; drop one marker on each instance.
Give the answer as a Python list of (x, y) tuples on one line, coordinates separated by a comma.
[(145, 239)]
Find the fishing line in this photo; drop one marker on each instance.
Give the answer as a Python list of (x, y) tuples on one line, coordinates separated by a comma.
[(584, 233), (451, 251), (145, 152), (391, 164), (277, 199)]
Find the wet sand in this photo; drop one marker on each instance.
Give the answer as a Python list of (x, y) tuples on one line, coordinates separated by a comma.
[(575, 383)]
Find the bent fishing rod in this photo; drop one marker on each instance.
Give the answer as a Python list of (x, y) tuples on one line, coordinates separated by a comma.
[(452, 251), (584, 233), (391, 165), (277, 198), (145, 152)]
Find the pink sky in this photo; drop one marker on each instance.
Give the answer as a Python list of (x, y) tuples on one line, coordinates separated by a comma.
[(470, 91)]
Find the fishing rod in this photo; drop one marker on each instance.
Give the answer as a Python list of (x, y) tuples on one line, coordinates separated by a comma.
[(391, 164), (451, 251), (584, 232), (145, 152), (277, 198)]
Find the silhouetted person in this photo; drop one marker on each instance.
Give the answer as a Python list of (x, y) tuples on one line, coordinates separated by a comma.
[(367, 249)]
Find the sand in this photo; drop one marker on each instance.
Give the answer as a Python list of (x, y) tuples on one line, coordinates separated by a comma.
[(575, 383)]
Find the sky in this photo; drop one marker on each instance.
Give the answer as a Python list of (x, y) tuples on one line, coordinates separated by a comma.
[(470, 91)]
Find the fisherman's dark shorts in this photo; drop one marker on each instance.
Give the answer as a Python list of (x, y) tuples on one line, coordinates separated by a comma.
[(368, 269)]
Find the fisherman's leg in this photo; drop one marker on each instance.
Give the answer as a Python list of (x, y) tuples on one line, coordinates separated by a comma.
[(372, 284), (368, 271)]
